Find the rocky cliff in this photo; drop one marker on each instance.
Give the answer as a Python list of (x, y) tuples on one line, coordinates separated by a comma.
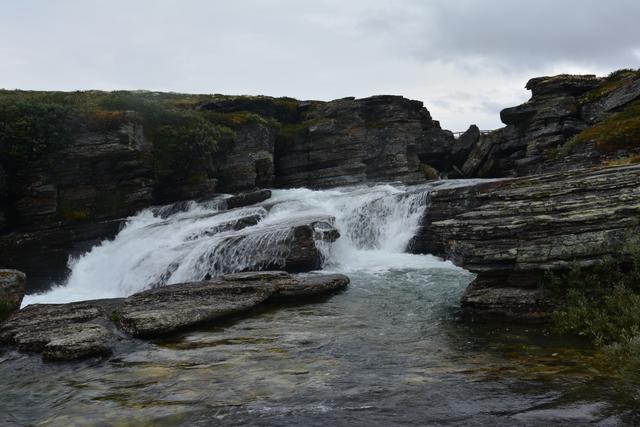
[(512, 232), (570, 122), (72, 165)]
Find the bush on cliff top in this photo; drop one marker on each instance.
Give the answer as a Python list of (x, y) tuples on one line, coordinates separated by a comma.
[(33, 123), (28, 130)]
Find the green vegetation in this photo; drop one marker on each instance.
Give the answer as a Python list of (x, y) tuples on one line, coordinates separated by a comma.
[(33, 124), (612, 82), (28, 130), (115, 317), (620, 130), (6, 309), (290, 132), (603, 306)]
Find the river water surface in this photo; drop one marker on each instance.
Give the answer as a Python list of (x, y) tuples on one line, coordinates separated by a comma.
[(390, 350)]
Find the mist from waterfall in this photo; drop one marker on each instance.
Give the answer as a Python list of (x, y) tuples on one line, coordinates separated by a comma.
[(158, 246)]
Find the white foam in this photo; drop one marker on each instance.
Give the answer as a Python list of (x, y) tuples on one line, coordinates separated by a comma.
[(376, 224)]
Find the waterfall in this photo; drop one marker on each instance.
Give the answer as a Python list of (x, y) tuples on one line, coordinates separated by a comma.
[(196, 240)]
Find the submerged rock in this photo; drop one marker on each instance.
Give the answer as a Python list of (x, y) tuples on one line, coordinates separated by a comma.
[(12, 290), (92, 328)]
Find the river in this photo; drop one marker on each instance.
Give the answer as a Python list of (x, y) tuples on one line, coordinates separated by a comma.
[(390, 350)]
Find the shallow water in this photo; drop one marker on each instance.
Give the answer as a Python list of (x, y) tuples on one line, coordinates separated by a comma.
[(390, 350), (387, 351)]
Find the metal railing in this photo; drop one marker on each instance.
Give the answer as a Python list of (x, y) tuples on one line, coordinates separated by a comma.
[(456, 135)]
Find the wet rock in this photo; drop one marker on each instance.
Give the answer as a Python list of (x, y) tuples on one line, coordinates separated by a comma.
[(246, 199), (92, 328), (43, 254), (12, 290), (488, 303), (290, 245), (63, 331), (511, 232), (289, 286), (173, 307)]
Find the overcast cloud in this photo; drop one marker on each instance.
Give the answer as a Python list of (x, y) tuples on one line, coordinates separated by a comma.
[(465, 59)]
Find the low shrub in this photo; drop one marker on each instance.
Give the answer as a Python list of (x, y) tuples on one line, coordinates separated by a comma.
[(619, 131), (602, 304)]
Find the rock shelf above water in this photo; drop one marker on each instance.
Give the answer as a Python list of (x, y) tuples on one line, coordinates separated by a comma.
[(93, 328), (511, 232)]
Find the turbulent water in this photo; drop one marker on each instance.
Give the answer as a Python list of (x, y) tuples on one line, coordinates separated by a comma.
[(390, 350), (159, 246)]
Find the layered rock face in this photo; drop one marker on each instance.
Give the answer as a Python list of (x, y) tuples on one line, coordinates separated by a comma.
[(12, 290), (512, 232), (101, 327), (62, 200), (538, 131), (346, 141)]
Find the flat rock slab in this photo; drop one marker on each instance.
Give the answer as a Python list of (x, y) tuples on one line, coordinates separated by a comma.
[(288, 286), (170, 308), (62, 331), (92, 328)]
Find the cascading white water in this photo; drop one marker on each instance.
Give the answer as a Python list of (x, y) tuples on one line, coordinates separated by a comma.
[(159, 247)]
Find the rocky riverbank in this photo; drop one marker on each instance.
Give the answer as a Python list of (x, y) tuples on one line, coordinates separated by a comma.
[(512, 232)]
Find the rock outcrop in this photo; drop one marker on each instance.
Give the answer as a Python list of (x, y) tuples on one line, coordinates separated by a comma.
[(349, 141), (94, 328), (63, 331), (538, 135), (290, 245), (12, 290), (512, 232), (345, 141)]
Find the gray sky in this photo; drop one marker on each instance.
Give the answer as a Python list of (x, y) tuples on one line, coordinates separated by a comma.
[(465, 59)]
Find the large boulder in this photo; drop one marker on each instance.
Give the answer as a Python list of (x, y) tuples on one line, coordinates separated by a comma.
[(246, 199), (512, 232), (12, 290), (292, 245)]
